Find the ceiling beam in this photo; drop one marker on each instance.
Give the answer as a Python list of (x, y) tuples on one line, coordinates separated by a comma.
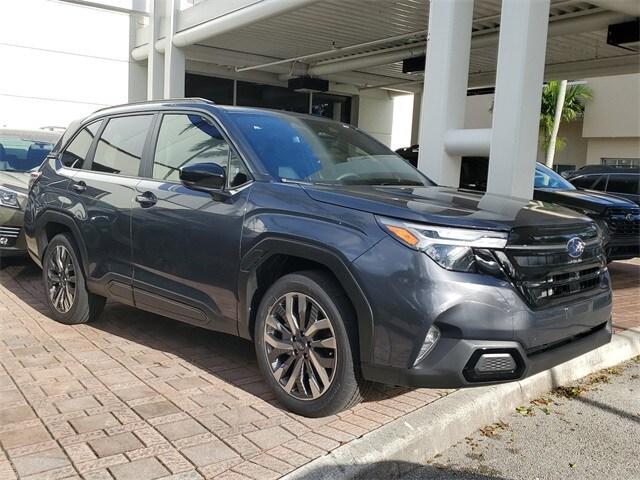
[(573, 25), (226, 21), (628, 7), (105, 6), (602, 67)]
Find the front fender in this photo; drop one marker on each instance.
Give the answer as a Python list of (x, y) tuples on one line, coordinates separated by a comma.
[(334, 261), (283, 220)]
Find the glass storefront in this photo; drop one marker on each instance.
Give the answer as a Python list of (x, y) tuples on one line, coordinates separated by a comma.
[(220, 90)]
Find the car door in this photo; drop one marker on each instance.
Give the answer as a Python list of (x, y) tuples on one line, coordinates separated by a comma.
[(186, 243), (102, 194)]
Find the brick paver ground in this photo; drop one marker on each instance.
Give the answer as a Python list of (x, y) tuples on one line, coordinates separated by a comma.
[(138, 396)]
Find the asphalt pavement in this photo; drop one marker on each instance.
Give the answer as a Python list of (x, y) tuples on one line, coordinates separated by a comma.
[(586, 430)]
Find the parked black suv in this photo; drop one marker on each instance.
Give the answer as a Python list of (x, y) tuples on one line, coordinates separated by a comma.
[(618, 217), (620, 181), (341, 262)]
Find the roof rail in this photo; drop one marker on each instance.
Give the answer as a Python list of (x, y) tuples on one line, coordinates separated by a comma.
[(165, 100)]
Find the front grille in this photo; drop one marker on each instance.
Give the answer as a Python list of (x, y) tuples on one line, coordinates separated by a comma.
[(624, 221), (538, 263), (10, 232)]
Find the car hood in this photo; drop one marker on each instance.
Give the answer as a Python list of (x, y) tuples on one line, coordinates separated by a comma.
[(16, 181), (446, 206), (584, 199)]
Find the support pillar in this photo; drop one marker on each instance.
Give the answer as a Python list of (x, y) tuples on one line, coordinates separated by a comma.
[(155, 60), (174, 58), (445, 87), (516, 111), (415, 122), (137, 79)]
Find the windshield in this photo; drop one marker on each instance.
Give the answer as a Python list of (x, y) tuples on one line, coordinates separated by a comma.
[(321, 151), (21, 155), (547, 178)]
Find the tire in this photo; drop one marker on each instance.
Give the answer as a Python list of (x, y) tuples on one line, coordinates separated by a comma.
[(313, 396), (67, 296)]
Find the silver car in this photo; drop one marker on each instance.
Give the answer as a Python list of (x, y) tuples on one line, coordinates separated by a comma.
[(21, 151)]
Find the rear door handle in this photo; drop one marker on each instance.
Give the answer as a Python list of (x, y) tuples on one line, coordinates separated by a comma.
[(146, 199), (79, 186)]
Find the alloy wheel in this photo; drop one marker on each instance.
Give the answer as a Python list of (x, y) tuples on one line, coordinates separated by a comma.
[(61, 279), (301, 347)]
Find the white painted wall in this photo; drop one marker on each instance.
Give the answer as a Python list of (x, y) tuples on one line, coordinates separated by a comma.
[(375, 115), (478, 111), (402, 121), (599, 148), (615, 108), (59, 62)]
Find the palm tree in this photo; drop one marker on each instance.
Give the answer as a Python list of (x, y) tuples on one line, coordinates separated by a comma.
[(572, 108)]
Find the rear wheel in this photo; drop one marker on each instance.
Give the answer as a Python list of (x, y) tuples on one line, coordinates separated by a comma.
[(65, 287), (305, 343)]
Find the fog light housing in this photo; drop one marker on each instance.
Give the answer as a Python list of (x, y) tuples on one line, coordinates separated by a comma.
[(430, 340)]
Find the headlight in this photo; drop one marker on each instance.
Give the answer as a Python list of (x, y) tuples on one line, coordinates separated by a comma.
[(451, 248), (8, 198)]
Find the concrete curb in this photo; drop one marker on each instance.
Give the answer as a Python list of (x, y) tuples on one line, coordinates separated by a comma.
[(432, 429)]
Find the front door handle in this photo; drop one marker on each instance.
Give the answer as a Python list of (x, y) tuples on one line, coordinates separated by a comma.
[(146, 199), (79, 186)]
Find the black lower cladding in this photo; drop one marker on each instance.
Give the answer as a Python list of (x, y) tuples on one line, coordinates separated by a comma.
[(514, 371)]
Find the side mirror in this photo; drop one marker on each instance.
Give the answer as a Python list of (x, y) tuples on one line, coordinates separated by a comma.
[(203, 176)]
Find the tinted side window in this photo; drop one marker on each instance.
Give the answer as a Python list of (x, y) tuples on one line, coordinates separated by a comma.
[(623, 184), (120, 145), (185, 139), (75, 154), (584, 182)]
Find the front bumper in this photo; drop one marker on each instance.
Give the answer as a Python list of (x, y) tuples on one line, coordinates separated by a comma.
[(409, 293), (448, 365), (12, 240), (623, 247)]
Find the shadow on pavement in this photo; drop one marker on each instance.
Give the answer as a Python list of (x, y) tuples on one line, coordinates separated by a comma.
[(403, 471), (608, 408), (228, 357)]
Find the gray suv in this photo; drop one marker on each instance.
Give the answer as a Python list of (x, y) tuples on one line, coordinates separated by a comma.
[(339, 260)]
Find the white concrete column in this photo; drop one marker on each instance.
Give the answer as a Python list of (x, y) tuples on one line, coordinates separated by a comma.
[(516, 111), (137, 79), (174, 58), (445, 86), (415, 121), (155, 60)]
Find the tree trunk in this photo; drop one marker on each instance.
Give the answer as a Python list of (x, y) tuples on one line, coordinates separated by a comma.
[(557, 117)]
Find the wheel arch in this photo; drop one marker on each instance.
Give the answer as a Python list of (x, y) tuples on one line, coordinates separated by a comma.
[(50, 224), (286, 256)]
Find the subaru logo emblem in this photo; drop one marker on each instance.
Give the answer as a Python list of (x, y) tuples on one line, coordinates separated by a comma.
[(575, 247)]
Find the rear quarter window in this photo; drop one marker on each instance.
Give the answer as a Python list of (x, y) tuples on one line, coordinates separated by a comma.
[(622, 183), (120, 145), (75, 155)]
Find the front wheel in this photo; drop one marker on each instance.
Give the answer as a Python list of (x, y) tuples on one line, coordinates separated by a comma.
[(306, 344), (65, 287)]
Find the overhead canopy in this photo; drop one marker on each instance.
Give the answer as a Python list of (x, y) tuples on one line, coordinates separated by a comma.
[(363, 42)]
